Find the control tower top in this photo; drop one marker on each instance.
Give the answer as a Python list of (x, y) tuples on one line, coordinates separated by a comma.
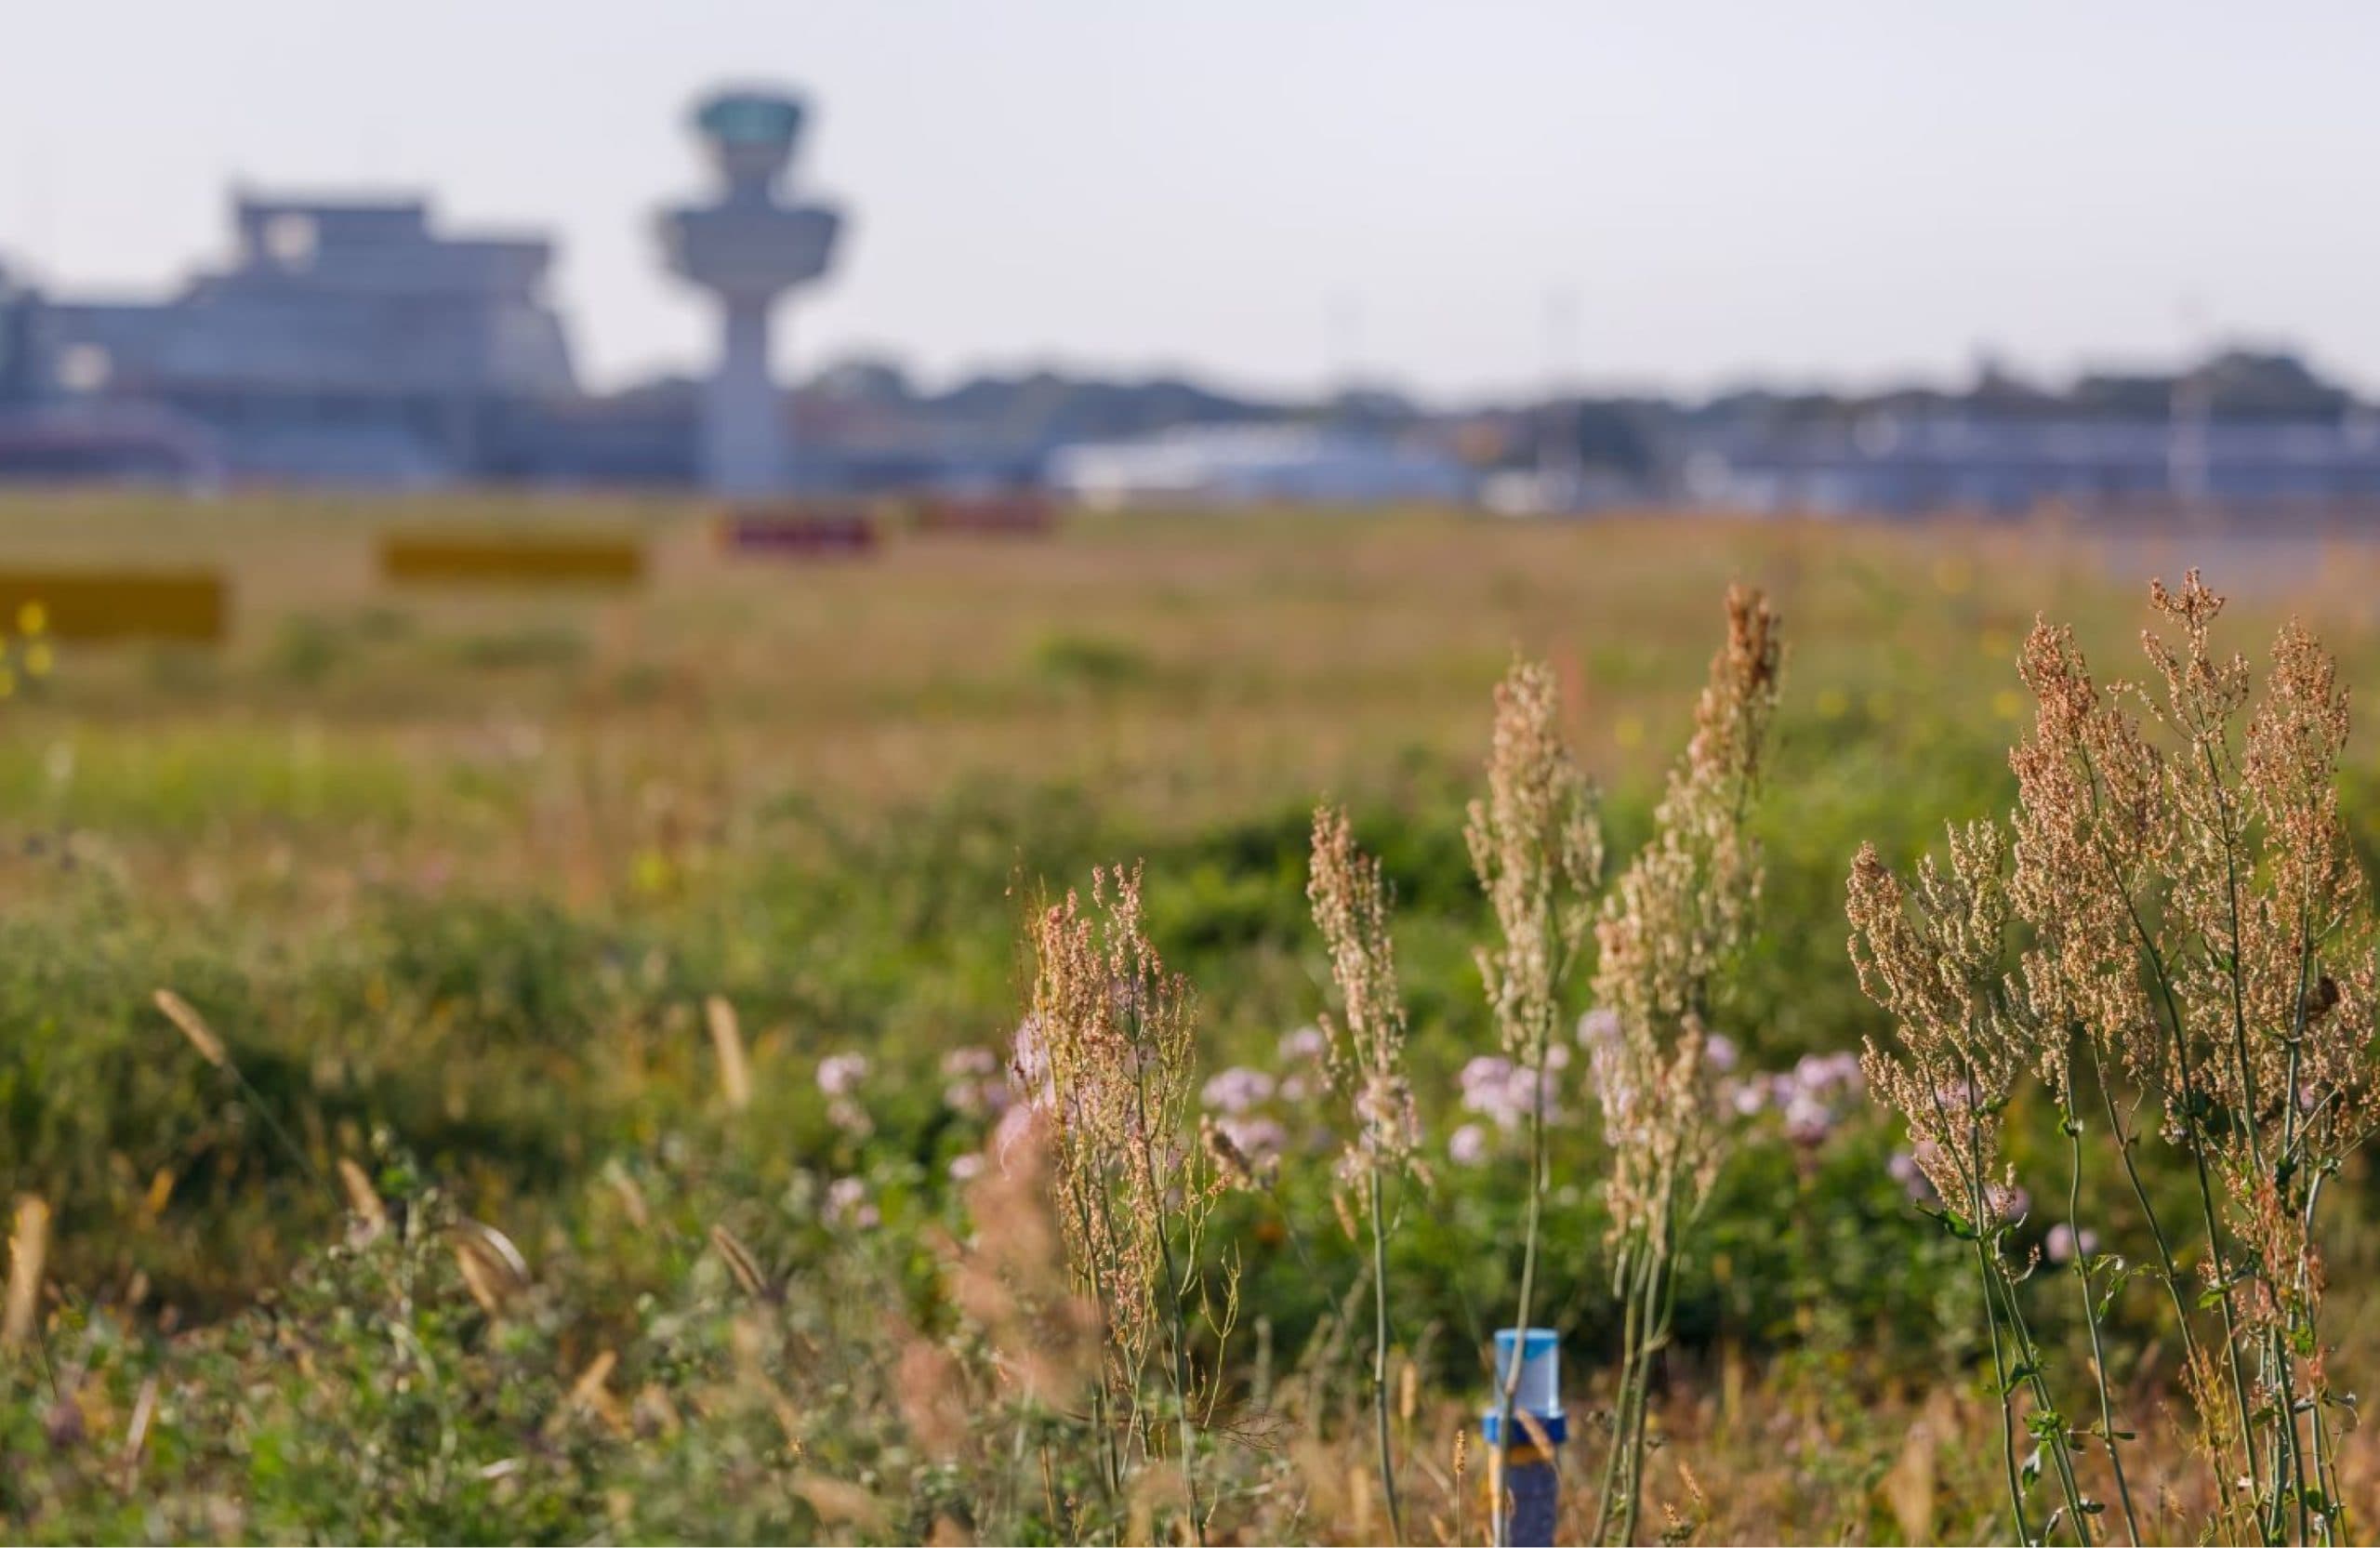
[(752, 135)]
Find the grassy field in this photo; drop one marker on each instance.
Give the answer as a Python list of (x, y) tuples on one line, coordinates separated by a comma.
[(451, 876)]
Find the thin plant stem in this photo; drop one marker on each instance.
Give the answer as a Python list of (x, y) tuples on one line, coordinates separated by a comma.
[(1661, 1295), (1379, 1361), (1176, 1287), (2006, 1392), (1632, 1311), (2156, 960), (1510, 1387), (2167, 1270), (2090, 1312), (1981, 1209), (1101, 1417), (2029, 1364), (2325, 1476), (2239, 986), (2197, 1144)]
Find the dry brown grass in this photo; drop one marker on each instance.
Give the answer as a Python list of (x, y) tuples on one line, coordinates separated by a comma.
[(1252, 659)]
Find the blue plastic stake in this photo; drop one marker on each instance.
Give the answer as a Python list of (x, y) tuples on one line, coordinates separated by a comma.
[(1525, 1472)]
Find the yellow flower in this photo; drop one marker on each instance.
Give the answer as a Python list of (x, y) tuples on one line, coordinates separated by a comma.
[(651, 873), (32, 618), (39, 659)]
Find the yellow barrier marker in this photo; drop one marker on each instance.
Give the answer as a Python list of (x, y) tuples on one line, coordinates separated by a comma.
[(119, 604), (511, 559)]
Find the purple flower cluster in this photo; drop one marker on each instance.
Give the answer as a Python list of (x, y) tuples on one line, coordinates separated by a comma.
[(1234, 1097), (847, 1204), (1238, 1090), (974, 1085), (1503, 1093), (1904, 1170), (1599, 1034), (1261, 1139), (1302, 1051), (2062, 1240), (840, 1076), (1812, 1099)]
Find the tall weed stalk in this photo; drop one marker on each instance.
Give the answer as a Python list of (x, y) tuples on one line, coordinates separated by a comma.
[(1364, 1059), (1536, 848), (2198, 926), (1113, 1038), (1672, 924)]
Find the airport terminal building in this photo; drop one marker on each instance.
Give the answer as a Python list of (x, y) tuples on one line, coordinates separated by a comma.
[(344, 342), (353, 342)]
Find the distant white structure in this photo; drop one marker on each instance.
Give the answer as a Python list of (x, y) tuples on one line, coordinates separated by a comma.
[(1257, 464), (1910, 464), (1558, 491), (749, 247)]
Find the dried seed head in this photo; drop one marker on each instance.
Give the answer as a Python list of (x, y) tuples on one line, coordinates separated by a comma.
[(1536, 848), (492, 1267), (741, 1263), (194, 1027), (727, 1043), (1673, 921), (28, 1251), (363, 1201), (590, 1393), (1364, 1056), (1931, 958)]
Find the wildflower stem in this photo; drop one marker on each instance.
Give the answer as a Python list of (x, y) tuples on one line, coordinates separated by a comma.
[(1632, 1314), (2095, 784), (2235, 970), (1101, 1417), (2090, 1311), (2000, 1298), (2028, 1365), (1509, 1390), (2197, 1142), (2006, 1390), (1177, 1285), (1660, 1299), (2325, 1477), (1379, 1361), (2170, 1274)]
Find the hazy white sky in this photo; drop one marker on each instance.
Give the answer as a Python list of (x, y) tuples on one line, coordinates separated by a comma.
[(1274, 192)]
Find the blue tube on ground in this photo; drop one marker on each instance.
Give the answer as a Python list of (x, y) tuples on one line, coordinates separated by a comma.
[(1524, 1468), (1532, 1496)]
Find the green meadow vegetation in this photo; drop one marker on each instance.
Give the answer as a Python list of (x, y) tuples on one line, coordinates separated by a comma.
[(586, 1098)]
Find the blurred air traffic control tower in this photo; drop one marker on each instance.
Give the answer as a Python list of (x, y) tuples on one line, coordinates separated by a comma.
[(749, 246)]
